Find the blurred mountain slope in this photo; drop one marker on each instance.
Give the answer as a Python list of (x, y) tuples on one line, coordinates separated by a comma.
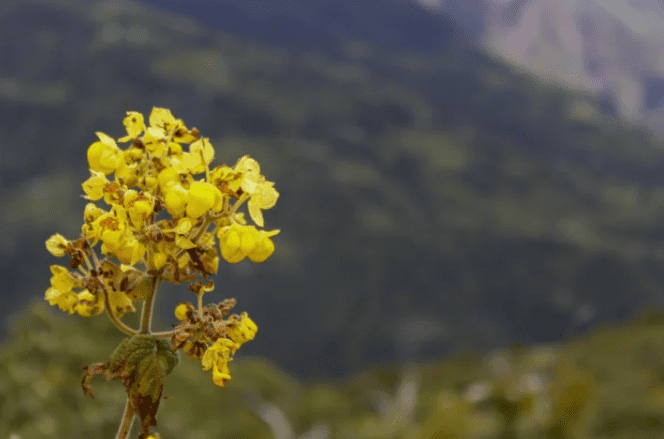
[(613, 49), (606, 384), (319, 24), (431, 201)]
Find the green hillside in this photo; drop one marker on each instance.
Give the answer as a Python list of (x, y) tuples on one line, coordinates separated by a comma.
[(429, 202), (607, 385)]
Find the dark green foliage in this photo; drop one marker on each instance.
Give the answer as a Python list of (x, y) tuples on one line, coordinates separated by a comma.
[(607, 385), (444, 190)]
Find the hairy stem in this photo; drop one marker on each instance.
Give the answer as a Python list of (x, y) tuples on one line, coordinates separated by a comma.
[(146, 313), (127, 422), (164, 334)]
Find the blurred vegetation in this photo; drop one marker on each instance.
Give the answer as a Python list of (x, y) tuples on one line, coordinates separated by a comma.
[(430, 201), (607, 384)]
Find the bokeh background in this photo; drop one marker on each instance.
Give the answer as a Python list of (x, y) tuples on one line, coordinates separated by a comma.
[(474, 185)]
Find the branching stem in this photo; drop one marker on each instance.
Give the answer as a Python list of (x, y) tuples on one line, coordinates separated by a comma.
[(111, 315), (146, 313)]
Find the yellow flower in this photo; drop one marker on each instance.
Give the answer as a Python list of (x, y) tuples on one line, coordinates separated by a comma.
[(247, 165), (237, 242), (241, 329), (163, 119), (61, 279), (57, 244), (166, 176), (92, 212), (182, 134), (210, 261), (181, 233), (104, 155), (221, 374), (133, 154), (120, 302), (109, 228), (132, 251), (221, 350), (200, 155), (263, 194), (230, 239), (224, 176), (176, 200), (182, 310), (66, 300), (134, 123), (202, 196), (129, 173), (155, 141), (94, 186), (264, 247), (148, 183), (174, 149), (139, 206), (61, 293), (158, 255), (88, 304), (216, 358)]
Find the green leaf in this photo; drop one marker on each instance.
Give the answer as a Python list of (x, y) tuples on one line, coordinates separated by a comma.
[(140, 346), (166, 354), (118, 358)]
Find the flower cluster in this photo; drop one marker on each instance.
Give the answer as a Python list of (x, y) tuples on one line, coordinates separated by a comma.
[(208, 337), (168, 217)]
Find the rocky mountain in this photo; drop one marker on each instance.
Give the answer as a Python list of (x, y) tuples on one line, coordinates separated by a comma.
[(613, 49)]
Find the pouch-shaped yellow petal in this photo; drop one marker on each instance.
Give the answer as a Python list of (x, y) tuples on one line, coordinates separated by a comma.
[(229, 243), (104, 155), (262, 251), (56, 245), (249, 238), (94, 186), (167, 175), (202, 196), (176, 200), (131, 252)]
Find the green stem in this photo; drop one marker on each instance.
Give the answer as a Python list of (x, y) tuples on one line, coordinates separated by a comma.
[(146, 313), (164, 334), (127, 422), (244, 197), (111, 315)]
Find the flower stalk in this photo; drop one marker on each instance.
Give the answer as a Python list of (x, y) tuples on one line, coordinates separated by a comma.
[(155, 228)]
